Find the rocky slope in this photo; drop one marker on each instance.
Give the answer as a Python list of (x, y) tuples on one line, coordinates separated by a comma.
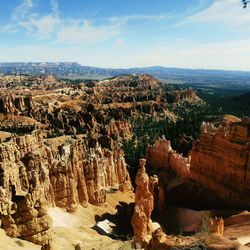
[(62, 144)]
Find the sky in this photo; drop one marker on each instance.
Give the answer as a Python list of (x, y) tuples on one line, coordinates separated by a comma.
[(208, 34)]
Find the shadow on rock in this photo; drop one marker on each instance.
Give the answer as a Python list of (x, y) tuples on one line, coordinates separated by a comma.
[(116, 226)]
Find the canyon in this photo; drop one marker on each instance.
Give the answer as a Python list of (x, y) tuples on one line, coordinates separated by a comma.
[(218, 161), (64, 164)]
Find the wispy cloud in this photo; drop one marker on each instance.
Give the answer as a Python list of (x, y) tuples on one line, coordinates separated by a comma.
[(18, 14), (85, 32), (41, 27), (55, 7), (37, 26), (221, 13), (128, 18), (69, 31)]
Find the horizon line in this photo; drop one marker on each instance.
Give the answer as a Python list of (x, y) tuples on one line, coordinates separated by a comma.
[(122, 68)]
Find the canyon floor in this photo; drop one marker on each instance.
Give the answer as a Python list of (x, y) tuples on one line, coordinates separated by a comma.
[(75, 228)]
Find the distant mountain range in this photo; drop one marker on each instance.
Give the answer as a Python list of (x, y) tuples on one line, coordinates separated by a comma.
[(68, 69)]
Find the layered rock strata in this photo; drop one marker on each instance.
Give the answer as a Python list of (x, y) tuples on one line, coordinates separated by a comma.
[(219, 161)]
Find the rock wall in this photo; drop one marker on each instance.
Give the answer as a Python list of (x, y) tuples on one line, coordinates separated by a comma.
[(120, 128), (220, 160), (10, 104), (62, 170), (27, 218), (161, 155)]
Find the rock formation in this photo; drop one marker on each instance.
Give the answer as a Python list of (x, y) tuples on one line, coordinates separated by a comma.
[(68, 174), (220, 160), (27, 219), (65, 174), (64, 144), (217, 226), (10, 104), (161, 155), (144, 204)]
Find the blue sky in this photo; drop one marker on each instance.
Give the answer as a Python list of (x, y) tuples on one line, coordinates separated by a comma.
[(213, 34)]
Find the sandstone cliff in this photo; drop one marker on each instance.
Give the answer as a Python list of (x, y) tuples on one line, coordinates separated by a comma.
[(218, 163), (220, 160), (161, 155), (15, 105), (64, 171)]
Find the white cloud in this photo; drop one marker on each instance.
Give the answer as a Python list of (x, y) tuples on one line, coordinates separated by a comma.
[(85, 32), (222, 13), (125, 19), (21, 10), (37, 26), (41, 27), (69, 31), (18, 14)]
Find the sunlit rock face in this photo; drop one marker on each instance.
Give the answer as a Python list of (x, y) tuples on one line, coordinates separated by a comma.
[(64, 146), (161, 155), (144, 204), (65, 176), (27, 219), (14, 105), (218, 164), (220, 160)]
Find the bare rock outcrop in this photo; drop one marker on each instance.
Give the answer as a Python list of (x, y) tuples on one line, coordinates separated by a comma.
[(76, 157), (11, 104), (66, 174), (120, 128), (161, 155), (28, 220), (144, 204), (220, 160)]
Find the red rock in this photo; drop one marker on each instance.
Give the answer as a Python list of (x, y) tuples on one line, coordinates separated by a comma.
[(144, 204), (161, 155), (220, 160)]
